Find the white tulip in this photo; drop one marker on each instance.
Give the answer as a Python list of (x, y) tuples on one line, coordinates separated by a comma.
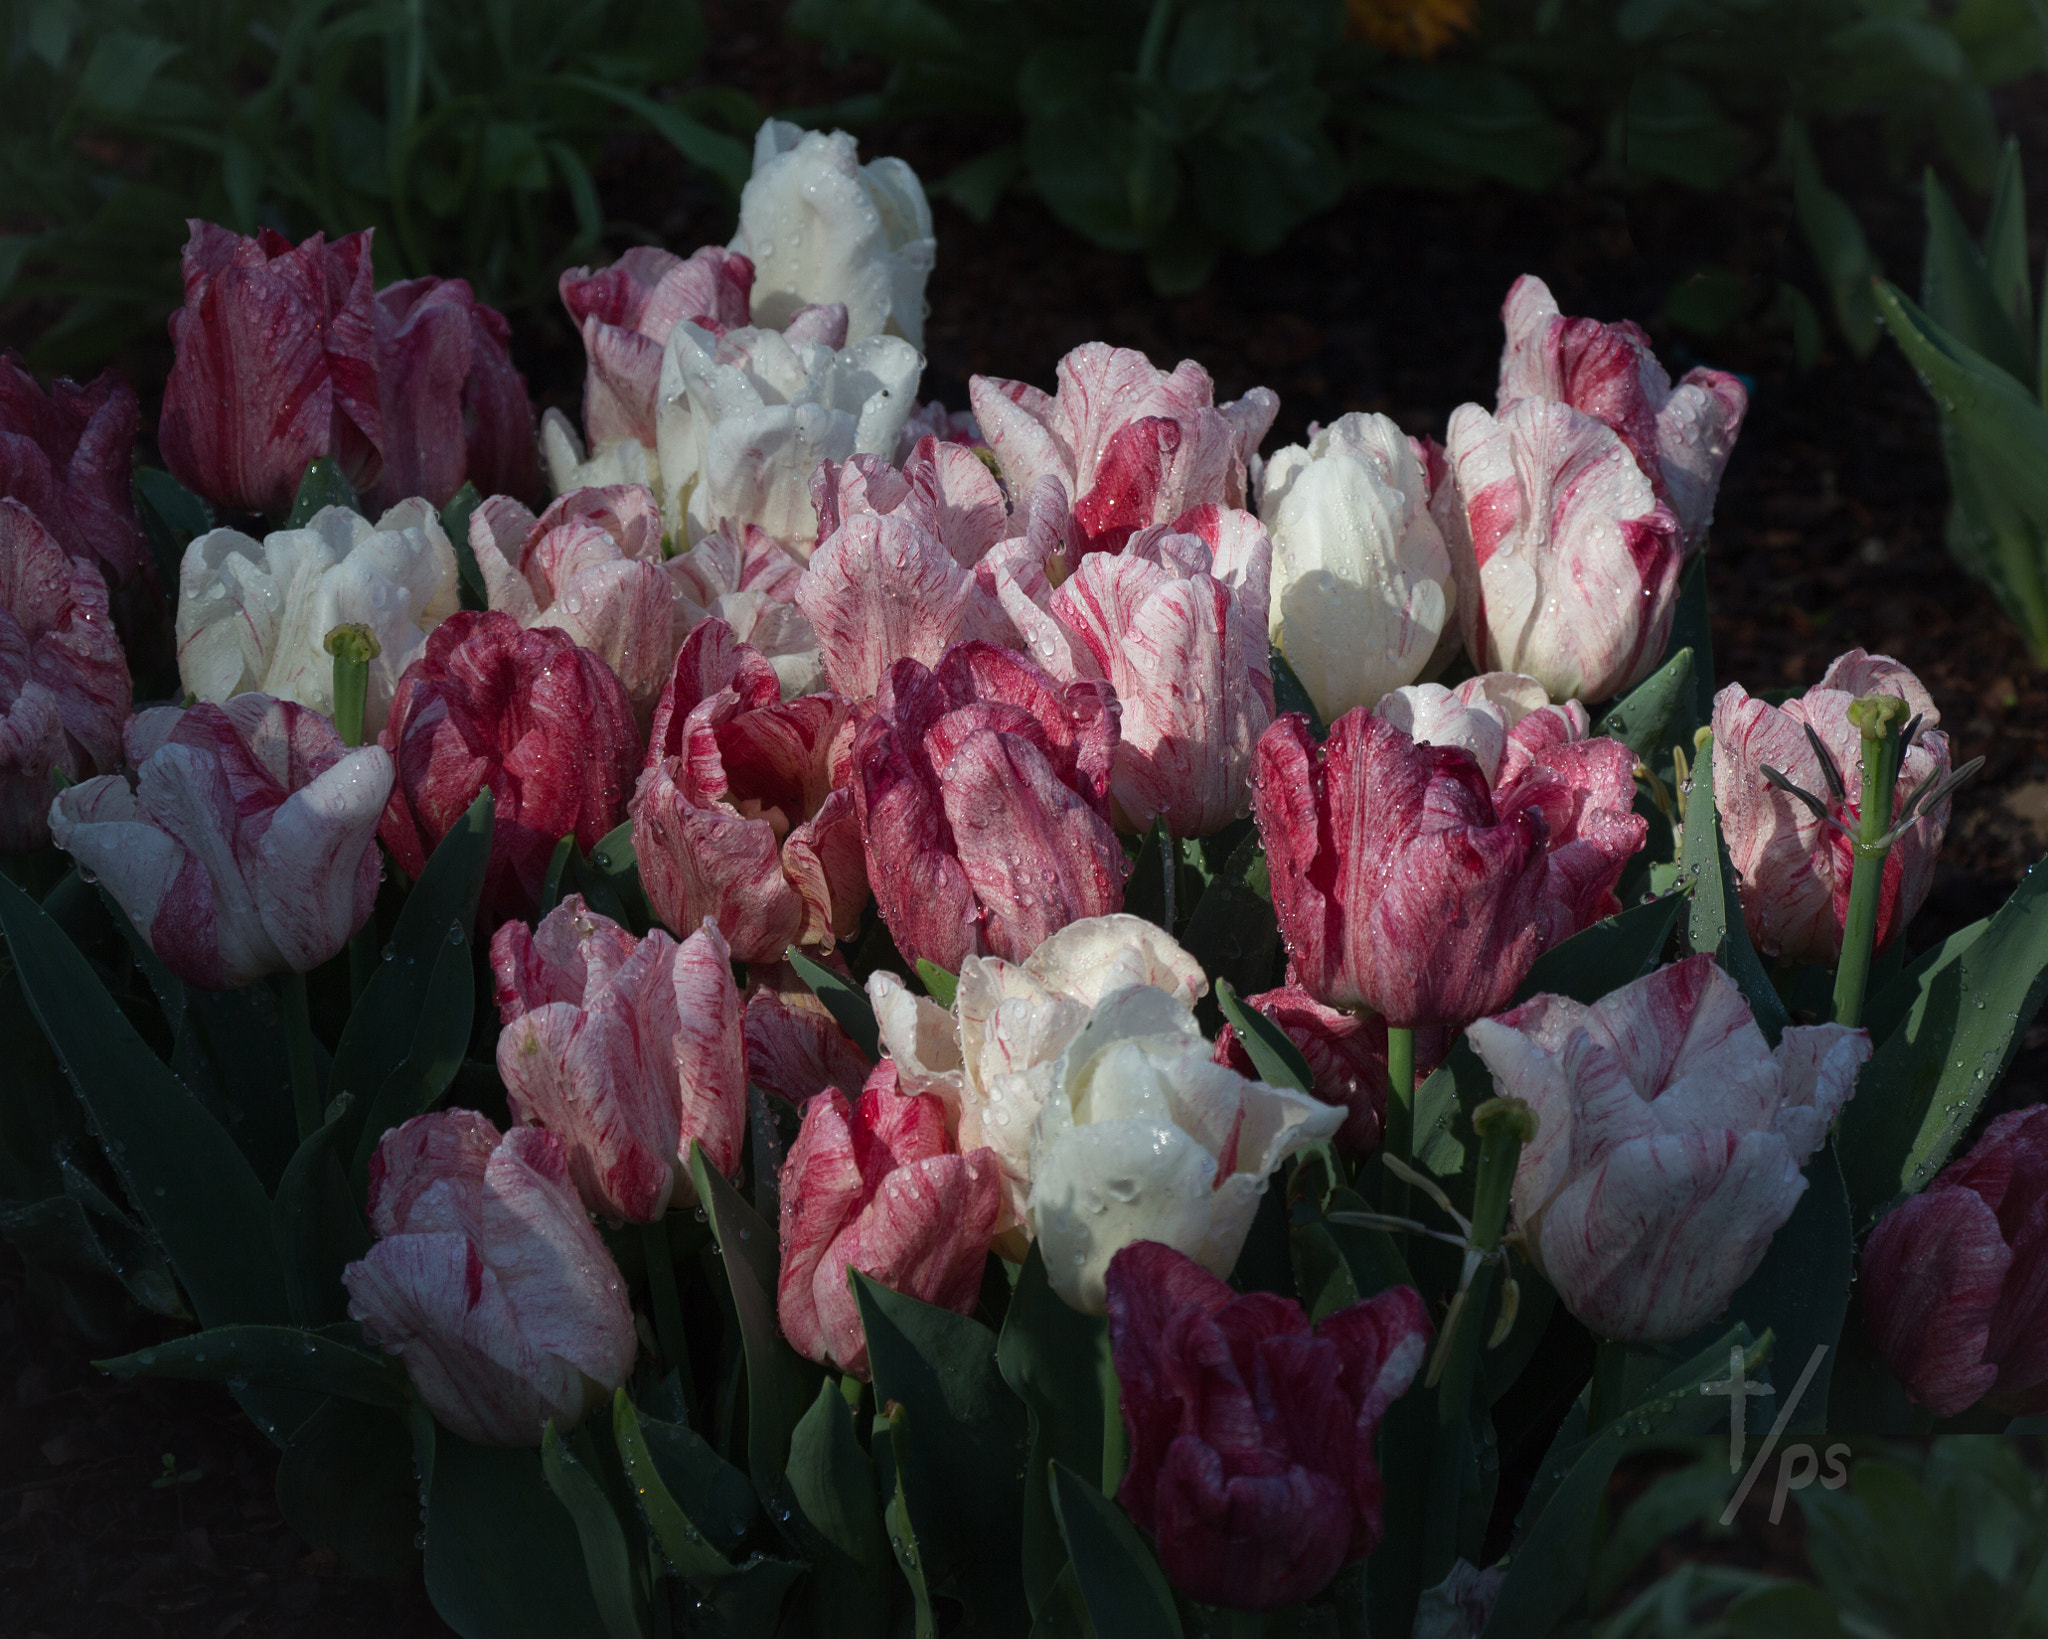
[(820, 226), (1142, 1136), (254, 616), (1363, 596)]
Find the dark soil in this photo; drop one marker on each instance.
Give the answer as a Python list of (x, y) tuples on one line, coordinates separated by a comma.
[(1828, 535)]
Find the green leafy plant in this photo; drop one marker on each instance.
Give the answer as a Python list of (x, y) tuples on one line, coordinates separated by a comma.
[(458, 129)]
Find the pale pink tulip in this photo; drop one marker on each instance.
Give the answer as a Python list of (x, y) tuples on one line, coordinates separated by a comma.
[(742, 576), (488, 1281), (945, 488), (1669, 1141)]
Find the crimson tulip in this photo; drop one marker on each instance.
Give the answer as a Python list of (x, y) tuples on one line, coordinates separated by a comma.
[(546, 725), (982, 788), (1251, 1433), (1955, 1280), (877, 1186)]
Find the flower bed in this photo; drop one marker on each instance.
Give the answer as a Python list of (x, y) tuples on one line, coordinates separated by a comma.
[(936, 939)]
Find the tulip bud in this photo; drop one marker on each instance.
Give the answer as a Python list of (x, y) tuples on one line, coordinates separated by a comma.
[(1669, 1141), (877, 1187), (64, 689), (1680, 437), (1363, 595), (1131, 445), (488, 1281), (983, 794), (1795, 867), (1251, 1433), (1955, 1279), (246, 844), (545, 724)]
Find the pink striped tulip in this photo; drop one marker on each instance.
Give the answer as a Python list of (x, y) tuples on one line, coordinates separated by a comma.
[(629, 1051), (246, 844), (876, 1185), (1669, 1141), (488, 1281), (66, 456)]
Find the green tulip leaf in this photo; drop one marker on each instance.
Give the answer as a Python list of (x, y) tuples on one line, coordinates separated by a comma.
[(844, 1000), (839, 1521), (322, 485), (1611, 953), (1639, 719), (1279, 1062), (616, 1581), (284, 1355), (1125, 1591)]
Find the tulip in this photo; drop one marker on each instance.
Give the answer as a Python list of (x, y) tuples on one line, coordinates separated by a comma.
[(64, 689), (65, 455), (544, 724), (1680, 437), (1251, 1433), (944, 488), (1346, 1054), (796, 1049), (875, 1185), (488, 1281), (742, 813), (1537, 755), (1955, 1280), (625, 313), (1669, 1141), (276, 363), (745, 579), (254, 616), (627, 1051), (1142, 1136), (1175, 624), (592, 566), (990, 1059), (883, 588), (982, 788), (746, 417), (454, 409), (1794, 870), (820, 226), (1398, 886), (245, 846), (1567, 561), (1132, 445), (1363, 595)]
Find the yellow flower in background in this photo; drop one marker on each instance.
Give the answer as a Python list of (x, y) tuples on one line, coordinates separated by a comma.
[(1410, 28)]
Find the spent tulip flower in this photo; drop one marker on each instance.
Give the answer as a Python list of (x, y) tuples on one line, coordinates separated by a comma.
[(819, 226), (1142, 1136), (488, 1281), (1175, 624), (1130, 444), (627, 1050), (982, 788), (1364, 599), (875, 1184), (66, 455), (253, 616), (245, 844), (1793, 869), (64, 689), (1681, 437), (989, 1059), (625, 313), (1567, 561), (592, 566), (1955, 1279), (276, 363), (742, 813), (546, 725), (453, 408), (1669, 1142), (744, 578), (1252, 1434)]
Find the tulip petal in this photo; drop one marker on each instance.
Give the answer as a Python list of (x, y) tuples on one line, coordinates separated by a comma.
[(1932, 1272)]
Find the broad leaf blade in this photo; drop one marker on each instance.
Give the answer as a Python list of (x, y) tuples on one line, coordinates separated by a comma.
[(284, 1355), (1121, 1582), (840, 1517), (1606, 956), (844, 1000), (608, 1559), (1273, 1053)]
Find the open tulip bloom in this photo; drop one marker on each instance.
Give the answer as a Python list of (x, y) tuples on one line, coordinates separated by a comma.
[(812, 979)]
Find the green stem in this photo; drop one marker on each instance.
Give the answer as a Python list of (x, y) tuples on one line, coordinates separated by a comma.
[(1610, 1369), (668, 1309), (298, 1041), (1878, 717), (1400, 1134)]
